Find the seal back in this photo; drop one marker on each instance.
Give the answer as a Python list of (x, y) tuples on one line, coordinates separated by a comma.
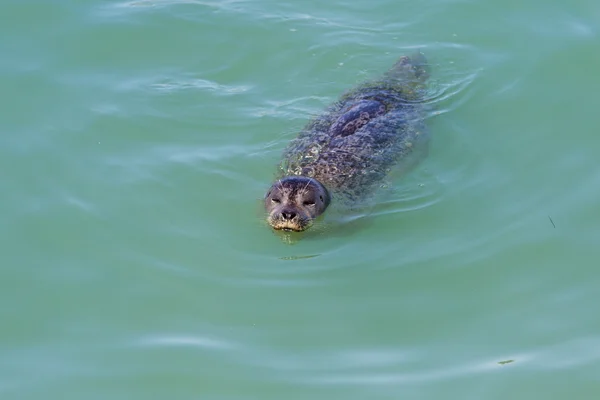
[(352, 146)]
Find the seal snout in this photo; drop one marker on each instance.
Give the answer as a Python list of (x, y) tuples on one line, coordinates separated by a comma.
[(288, 215), (290, 220)]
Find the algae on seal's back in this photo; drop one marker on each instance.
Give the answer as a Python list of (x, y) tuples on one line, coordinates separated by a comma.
[(348, 150)]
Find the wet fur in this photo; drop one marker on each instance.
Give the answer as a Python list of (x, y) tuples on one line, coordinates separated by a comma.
[(351, 147)]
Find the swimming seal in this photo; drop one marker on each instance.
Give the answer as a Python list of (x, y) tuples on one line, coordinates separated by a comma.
[(344, 153)]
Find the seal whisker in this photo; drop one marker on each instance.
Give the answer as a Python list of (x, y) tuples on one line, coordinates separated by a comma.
[(306, 187)]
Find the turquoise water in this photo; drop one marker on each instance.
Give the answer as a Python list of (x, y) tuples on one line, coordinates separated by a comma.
[(137, 139)]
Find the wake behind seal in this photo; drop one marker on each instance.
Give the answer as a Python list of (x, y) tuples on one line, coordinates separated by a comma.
[(346, 152)]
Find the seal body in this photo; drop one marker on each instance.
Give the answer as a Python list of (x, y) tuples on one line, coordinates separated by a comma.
[(349, 149)]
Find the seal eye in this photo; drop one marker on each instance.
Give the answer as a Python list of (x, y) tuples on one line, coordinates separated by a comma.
[(276, 201), (309, 203)]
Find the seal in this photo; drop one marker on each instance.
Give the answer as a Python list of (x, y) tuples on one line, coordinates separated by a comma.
[(346, 152)]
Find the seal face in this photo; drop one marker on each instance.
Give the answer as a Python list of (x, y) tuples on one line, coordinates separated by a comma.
[(292, 203), (348, 150)]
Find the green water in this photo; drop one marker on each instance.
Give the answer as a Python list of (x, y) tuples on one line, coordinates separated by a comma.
[(137, 138)]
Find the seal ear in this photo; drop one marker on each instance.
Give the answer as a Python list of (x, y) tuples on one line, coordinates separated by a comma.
[(325, 197)]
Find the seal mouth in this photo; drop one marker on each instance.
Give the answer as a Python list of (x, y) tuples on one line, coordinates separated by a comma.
[(296, 225), (287, 229), (290, 227)]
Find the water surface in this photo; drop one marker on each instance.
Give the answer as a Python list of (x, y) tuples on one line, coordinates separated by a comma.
[(138, 137)]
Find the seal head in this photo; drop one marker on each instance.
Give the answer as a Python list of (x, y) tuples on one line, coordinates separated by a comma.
[(293, 202)]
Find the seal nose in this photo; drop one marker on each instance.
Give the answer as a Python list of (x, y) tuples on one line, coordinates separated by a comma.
[(288, 215)]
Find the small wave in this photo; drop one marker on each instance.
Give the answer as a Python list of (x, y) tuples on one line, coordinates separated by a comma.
[(455, 90), (418, 191), (141, 4), (174, 340), (202, 84)]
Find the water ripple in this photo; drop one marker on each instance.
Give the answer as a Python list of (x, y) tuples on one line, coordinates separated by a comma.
[(202, 84), (174, 340)]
